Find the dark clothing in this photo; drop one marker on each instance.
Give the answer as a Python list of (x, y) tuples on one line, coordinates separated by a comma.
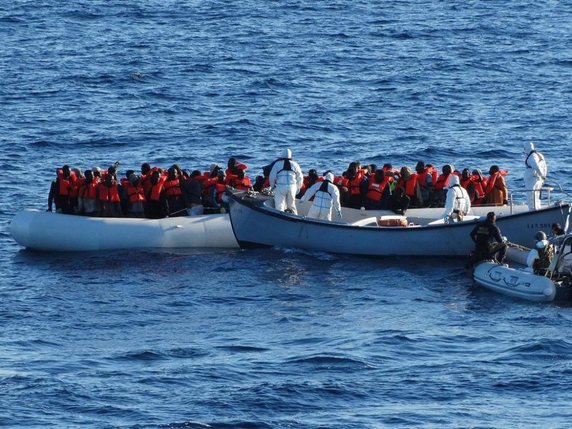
[(488, 242), (192, 192)]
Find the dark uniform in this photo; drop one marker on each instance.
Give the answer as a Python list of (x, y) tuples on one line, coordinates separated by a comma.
[(488, 241)]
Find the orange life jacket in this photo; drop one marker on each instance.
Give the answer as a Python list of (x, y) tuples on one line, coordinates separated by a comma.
[(88, 190), (354, 184), (442, 181), (134, 193), (65, 189), (375, 190), (408, 186), (172, 188), (108, 193), (243, 185), (220, 188)]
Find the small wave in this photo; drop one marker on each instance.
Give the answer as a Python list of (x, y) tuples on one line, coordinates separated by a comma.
[(329, 361), (237, 424), (243, 349), (145, 355)]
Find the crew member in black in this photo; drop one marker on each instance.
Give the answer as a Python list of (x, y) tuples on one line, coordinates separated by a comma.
[(488, 240)]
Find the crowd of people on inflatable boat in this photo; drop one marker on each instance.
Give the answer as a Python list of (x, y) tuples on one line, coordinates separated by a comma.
[(154, 192)]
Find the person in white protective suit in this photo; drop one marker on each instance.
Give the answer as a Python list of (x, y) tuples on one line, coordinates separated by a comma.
[(539, 257), (534, 175), (286, 179), (326, 199), (458, 202)]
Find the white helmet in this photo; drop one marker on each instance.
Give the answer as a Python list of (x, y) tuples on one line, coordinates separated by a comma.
[(454, 180), (330, 177), (527, 147), (287, 154)]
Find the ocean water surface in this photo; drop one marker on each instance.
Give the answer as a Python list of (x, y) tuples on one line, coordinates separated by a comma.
[(227, 338)]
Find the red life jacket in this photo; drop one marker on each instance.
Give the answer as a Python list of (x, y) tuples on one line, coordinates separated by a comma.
[(108, 193), (491, 182), (156, 190), (220, 188), (375, 190), (88, 190), (65, 189), (422, 177), (408, 186), (243, 185), (479, 186), (442, 181), (172, 188), (134, 193), (354, 184)]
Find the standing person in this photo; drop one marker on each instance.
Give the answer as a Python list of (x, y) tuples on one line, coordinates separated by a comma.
[(326, 199), (489, 242), (286, 179), (534, 175), (457, 203)]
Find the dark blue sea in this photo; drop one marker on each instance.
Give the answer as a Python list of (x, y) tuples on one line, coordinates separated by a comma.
[(280, 338)]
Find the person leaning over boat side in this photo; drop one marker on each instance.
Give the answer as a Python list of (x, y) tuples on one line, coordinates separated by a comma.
[(286, 179), (539, 257), (489, 242), (534, 175), (457, 203), (326, 199)]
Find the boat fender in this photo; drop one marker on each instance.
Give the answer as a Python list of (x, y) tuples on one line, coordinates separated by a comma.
[(547, 291)]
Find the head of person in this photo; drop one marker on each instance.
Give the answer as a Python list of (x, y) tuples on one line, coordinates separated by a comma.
[(155, 175), (195, 173), (112, 171), (405, 173), (379, 175), (478, 173), (186, 174), (287, 154), (447, 169), (231, 163), (88, 176), (172, 173), (494, 169), (220, 176), (77, 172), (145, 168), (465, 174), (420, 167), (557, 229), (527, 148), (541, 240), (133, 179), (387, 166), (372, 168), (128, 173), (330, 177), (214, 169), (454, 181), (491, 217), (66, 171)]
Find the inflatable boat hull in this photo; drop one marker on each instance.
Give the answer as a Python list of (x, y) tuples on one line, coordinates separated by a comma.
[(58, 232)]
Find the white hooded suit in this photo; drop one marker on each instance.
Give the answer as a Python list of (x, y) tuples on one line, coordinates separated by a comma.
[(286, 182), (458, 201), (534, 175), (324, 201)]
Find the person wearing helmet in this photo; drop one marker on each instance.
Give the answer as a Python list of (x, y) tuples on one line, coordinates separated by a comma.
[(286, 179), (534, 175), (539, 257), (326, 199), (458, 202)]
